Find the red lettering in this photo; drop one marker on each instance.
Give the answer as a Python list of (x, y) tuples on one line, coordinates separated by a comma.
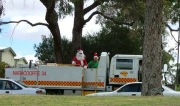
[(43, 73), (15, 72), (26, 73), (38, 73)]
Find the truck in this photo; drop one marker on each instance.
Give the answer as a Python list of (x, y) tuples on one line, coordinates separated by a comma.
[(55, 78)]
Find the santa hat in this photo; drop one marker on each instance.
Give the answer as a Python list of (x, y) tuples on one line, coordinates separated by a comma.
[(80, 51), (95, 55)]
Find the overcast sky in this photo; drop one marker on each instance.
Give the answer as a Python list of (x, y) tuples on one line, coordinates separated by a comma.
[(22, 37)]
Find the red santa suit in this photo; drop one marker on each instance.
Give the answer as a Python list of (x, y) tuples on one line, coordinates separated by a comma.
[(79, 59)]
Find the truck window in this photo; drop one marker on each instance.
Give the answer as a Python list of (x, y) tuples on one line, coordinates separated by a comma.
[(126, 64)]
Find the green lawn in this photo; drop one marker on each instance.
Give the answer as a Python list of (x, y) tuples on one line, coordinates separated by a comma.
[(57, 100)]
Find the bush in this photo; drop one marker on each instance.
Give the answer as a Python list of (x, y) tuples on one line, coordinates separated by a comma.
[(2, 69)]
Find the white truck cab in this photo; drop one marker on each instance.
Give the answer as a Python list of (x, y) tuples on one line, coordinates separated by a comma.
[(124, 68)]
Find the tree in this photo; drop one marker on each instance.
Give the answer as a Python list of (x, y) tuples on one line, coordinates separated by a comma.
[(45, 50), (79, 21), (52, 18), (52, 23), (96, 42), (132, 15), (123, 41), (152, 52)]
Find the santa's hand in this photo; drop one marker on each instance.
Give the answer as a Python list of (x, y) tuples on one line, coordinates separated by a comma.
[(73, 62), (85, 67)]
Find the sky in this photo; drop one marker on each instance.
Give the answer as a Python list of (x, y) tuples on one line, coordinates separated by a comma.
[(22, 37)]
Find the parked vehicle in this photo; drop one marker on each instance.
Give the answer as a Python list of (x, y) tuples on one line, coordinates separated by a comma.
[(10, 86), (134, 89), (55, 78)]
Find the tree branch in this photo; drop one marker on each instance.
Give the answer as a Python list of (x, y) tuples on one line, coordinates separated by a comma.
[(173, 37), (36, 24), (171, 30), (90, 17), (112, 19), (92, 6)]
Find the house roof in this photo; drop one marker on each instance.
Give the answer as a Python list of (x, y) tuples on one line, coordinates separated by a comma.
[(8, 48), (22, 58)]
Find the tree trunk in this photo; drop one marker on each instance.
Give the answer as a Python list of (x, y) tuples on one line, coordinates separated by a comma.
[(52, 20), (152, 52), (78, 26)]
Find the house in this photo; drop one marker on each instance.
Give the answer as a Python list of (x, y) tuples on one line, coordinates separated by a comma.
[(20, 61), (7, 55)]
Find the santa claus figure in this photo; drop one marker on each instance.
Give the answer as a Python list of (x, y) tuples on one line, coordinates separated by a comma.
[(79, 59)]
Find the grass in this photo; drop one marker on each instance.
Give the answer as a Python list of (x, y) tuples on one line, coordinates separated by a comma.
[(57, 100)]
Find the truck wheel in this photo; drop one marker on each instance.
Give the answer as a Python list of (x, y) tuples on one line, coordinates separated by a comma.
[(61, 92), (49, 92)]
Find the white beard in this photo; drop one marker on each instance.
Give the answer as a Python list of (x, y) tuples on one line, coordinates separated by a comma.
[(79, 57)]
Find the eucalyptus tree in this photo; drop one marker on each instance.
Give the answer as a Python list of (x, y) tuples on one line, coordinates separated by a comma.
[(64, 7), (51, 17), (152, 52), (79, 19)]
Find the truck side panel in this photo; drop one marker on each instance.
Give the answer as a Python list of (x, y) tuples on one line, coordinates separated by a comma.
[(20, 74), (93, 80), (64, 77)]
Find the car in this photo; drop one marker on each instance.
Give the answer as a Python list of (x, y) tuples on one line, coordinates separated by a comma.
[(134, 89), (10, 86)]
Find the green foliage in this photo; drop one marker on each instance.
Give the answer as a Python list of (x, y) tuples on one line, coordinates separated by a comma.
[(167, 57), (2, 69), (45, 50), (134, 10), (66, 47), (173, 11), (178, 76), (64, 8), (177, 87), (115, 39), (123, 12)]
